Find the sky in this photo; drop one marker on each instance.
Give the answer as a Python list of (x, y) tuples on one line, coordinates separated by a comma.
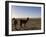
[(25, 11)]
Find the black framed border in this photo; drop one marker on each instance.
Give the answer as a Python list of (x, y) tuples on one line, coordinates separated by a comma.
[(7, 17)]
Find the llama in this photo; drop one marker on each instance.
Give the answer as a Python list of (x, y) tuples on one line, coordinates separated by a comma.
[(23, 22), (14, 22)]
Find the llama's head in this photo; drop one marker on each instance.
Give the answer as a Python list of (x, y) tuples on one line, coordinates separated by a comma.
[(14, 21), (28, 18), (13, 18)]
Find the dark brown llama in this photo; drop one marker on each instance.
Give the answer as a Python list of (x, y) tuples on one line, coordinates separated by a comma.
[(14, 22), (23, 22)]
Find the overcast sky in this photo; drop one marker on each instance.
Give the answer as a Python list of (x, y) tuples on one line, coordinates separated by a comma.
[(25, 11)]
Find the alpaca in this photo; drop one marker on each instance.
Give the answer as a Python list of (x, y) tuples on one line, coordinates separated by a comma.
[(23, 22)]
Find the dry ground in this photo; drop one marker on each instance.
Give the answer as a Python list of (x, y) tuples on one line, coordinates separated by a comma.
[(32, 24)]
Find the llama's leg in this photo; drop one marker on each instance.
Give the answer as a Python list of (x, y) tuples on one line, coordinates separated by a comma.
[(20, 23)]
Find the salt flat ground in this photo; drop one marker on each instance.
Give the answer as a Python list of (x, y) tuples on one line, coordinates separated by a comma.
[(32, 24)]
